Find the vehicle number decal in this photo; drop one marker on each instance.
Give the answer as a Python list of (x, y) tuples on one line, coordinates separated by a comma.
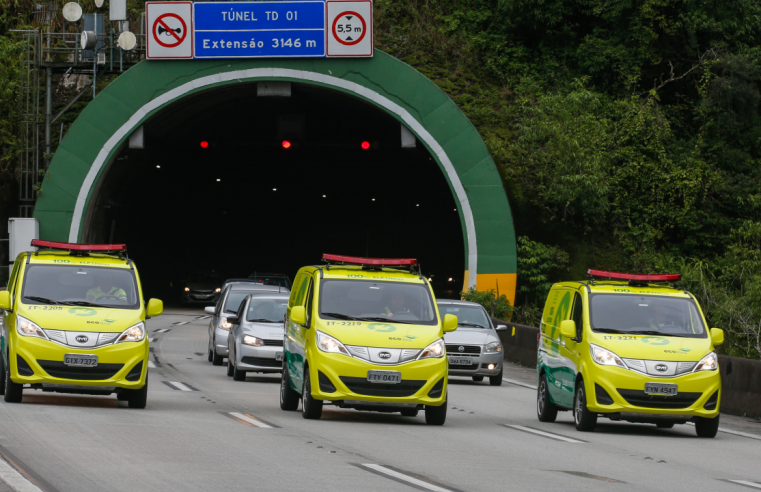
[(343, 323), (47, 308), (618, 337)]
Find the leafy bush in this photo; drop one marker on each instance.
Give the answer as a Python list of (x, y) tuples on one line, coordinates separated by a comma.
[(497, 307)]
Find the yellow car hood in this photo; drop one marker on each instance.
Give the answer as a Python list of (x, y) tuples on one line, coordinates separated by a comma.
[(649, 347), (387, 335), (81, 318)]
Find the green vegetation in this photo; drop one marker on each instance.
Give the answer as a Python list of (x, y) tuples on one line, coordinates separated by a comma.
[(497, 305)]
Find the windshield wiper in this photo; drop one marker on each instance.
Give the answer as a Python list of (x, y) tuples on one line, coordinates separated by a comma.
[(659, 333), (609, 330), (83, 303), (339, 316), (43, 300), (387, 320), (473, 325), (262, 320)]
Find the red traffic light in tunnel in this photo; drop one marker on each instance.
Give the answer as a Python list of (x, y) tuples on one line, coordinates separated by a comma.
[(287, 144), (365, 145), (204, 144)]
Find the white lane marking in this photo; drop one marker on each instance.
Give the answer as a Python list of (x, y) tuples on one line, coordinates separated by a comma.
[(519, 383), (153, 365), (203, 317), (736, 433), (152, 339), (162, 330), (538, 432), (252, 420), (179, 386), (405, 478), (16, 480), (754, 485), (180, 323)]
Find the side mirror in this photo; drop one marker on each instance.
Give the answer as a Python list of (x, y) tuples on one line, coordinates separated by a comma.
[(233, 320), (299, 315), (210, 309), (501, 328), (154, 308), (449, 323), (5, 299), (717, 336), (568, 328)]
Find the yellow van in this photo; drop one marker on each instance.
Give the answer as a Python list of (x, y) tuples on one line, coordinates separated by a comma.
[(628, 347), (74, 322), (365, 333)]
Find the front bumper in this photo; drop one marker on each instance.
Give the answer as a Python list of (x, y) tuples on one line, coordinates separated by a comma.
[(193, 298), (480, 366), (626, 390), (424, 382), (122, 365), (259, 359)]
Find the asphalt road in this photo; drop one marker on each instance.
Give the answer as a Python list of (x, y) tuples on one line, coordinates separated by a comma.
[(212, 433)]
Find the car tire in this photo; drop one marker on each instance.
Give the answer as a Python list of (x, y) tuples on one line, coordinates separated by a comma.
[(584, 419), (211, 355), (706, 427), (478, 379), (664, 425), (289, 398), (138, 398), (238, 375), (310, 408), (496, 380), (412, 412), (436, 415), (123, 395), (2, 374), (230, 368), (216, 359), (14, 392), (546, 411)]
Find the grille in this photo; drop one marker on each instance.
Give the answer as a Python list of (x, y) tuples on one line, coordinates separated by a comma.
[(262, 361), (640, 399), (273, 343), (57, 369), (469, 349), (362, 386), (641, 366)]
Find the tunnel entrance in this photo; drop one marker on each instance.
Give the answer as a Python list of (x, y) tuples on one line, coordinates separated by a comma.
[(215, 188)]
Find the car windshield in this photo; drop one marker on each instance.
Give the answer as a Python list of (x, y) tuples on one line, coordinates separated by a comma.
[(204, 278), (278, 281), (81, 286), (266, 310), (647, 315), (377, 301), (467, 316), (234, 298)]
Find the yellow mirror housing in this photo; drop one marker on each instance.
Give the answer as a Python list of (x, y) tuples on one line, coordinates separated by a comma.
[(155, 307), (5, 299), (717, 336), (299, 315), (449, 323), (568, 328)]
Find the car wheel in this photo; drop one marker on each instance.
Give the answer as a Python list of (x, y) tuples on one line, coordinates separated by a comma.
[(546, 411), (138, 398), (584, 419), (238, 375), (14, 392), (478, 379), (706, 427), (496, 380), (310, 408), (411, 412), (230, 367), (436, 415), (2, 374), (211, 355), (123, 395), (665, 425), (289, 398)]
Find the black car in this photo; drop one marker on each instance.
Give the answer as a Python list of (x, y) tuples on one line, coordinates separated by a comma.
[(202, 288)]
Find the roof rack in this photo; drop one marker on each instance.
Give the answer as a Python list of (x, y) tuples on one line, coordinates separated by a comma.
[(635, 279), (410, 264), (77, 249)]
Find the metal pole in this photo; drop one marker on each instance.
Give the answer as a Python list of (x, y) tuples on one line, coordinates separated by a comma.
[(48, 106), (95, 58)]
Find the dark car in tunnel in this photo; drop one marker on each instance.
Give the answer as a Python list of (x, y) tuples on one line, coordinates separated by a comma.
[(202, 288)]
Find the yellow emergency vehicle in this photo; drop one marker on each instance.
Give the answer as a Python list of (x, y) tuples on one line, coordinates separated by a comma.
[(365, 333), (74, 322), (628, 347)]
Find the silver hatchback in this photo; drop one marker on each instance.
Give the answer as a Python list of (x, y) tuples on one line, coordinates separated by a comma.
[(474, 349)]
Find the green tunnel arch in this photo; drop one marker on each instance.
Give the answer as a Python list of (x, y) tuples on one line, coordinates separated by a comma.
[(103, 129)]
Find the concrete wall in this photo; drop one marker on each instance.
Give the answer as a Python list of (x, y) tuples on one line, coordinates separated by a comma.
[(740, 378)]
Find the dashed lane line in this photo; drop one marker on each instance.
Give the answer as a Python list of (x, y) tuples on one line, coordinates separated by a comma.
[(151, 340), (162, 330), (153, 365), (519, 383), (180, 323), (250, 420), (402, 477), (176, 385), (203, 317), (746, 483), (542, 433)]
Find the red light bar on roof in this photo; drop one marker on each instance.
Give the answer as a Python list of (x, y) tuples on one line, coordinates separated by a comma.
[(39, 243), (356, 260), (662, 277)]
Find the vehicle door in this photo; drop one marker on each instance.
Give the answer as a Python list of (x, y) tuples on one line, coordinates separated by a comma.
[(7, 322), (570, 352), (557, 309), (235, 329), (217, 310), (295, 341)]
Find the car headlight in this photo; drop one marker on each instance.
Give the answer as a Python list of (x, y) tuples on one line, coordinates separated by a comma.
[(29, 328), (708, 363), (326, 343), (256, 342), (605, 357), (434, 350), (218, 289), (187, 289), (224, 324), (493, 348), (133, 334)]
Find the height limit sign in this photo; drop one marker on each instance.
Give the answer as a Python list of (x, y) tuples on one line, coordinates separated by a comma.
[(170, 30), (349, 28)]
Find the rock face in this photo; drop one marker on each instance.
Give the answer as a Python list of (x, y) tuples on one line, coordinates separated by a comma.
[(75, 82)]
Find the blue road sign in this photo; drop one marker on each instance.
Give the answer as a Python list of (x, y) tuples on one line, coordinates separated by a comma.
[(259, 29)]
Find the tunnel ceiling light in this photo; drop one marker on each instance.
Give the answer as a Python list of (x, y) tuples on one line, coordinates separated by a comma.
[(365, 145), (274, 189), (373, 199), (286, 144), (455, 210), (324, 196), (204, 144), (158, 167), (417, 204), (450, 279), (218, 180)]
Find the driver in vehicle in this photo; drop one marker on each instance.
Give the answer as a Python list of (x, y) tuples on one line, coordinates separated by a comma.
[(396, 305), (106, 289), (660, 318)]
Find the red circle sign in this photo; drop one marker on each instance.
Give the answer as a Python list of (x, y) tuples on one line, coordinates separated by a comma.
[(160, 28), (346, 28)]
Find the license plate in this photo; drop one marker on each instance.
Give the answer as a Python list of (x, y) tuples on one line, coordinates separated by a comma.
[(279, 356), (465, 361), (660, 389), (80, 360), (391, 377)]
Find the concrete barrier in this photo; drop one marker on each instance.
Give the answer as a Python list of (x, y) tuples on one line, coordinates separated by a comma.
[(740, 378)]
